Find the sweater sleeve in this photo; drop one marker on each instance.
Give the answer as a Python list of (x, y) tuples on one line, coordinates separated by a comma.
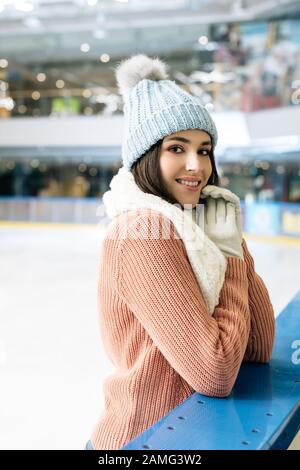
[(262, 329), (156, 281)]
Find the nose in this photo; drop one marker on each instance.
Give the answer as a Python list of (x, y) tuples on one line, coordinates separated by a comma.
[(193, 162)]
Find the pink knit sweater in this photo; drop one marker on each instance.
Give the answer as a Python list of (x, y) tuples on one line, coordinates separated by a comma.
[(157, 332)]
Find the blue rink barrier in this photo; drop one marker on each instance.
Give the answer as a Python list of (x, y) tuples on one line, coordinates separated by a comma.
[(271, 218), (262, 411)]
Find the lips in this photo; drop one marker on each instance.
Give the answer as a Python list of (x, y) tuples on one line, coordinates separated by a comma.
[(188, 187), (188, 182), (188, 178)]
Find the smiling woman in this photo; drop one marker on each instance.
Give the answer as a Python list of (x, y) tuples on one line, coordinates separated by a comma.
[(175, 303)]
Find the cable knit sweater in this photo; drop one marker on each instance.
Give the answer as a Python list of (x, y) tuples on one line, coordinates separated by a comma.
[(158, 333)]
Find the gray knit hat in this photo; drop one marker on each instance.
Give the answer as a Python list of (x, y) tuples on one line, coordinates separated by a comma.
[(155, 107)]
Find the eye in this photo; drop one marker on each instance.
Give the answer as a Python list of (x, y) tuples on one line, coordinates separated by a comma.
[(176, 147), (206, 152)]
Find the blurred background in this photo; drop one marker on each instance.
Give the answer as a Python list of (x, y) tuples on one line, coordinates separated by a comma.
[(60, 145)]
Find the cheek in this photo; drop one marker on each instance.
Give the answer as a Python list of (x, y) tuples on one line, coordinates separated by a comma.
[(167, 168), (208, 170), (162, 164)]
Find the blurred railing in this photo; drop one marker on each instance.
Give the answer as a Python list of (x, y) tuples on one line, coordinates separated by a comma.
[(259, 218), (51, 209)]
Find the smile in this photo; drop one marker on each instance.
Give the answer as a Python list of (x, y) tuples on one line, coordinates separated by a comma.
[(191, 186)]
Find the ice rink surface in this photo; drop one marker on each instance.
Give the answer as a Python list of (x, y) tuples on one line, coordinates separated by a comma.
[(52, 362)]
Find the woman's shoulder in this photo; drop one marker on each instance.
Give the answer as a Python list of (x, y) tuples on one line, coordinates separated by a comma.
[(141, 237)]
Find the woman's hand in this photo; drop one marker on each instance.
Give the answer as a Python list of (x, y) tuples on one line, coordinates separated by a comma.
[(220, 225), (216, 192)]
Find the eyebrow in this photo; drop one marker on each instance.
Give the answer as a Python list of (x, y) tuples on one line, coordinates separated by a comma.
[(183, 139)]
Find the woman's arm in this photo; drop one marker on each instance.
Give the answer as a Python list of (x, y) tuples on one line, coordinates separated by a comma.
[(154, 278), (262, 330)]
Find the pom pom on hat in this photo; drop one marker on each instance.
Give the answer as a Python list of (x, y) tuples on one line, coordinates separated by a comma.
[(138, 67)]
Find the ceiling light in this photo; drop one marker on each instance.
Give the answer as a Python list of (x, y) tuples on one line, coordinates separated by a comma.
[(87, 93), (105, 57), (203, 40), (35, 163), (22, 109), (3, 86), (85, 47), (82, 167), (3, 63), (93, 171), (59, 83), (35, 95), (41, 77), (7, 103)]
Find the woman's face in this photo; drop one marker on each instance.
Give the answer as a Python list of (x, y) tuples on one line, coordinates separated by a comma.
[(184, 156)]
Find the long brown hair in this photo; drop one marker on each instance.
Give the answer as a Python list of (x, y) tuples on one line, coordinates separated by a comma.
[(147, 174)]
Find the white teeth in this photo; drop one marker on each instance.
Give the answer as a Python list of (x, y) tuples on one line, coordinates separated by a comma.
[(188, 183)]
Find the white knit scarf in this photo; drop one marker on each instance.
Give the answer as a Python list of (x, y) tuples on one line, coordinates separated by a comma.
[(207, 261)]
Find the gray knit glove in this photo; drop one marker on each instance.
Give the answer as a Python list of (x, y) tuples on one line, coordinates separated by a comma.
[(222, 225), (217, 192)]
